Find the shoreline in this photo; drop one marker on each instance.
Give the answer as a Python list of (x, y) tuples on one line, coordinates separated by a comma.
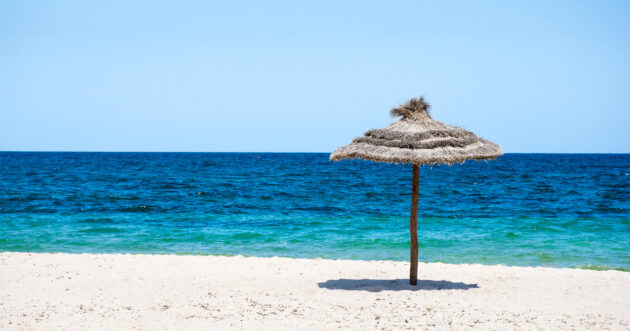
[(579, 267), (103, 291)]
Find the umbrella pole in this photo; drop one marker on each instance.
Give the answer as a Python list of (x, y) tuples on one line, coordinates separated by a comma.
[(413, 225)]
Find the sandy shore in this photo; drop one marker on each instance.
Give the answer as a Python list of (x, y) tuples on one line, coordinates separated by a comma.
[(64, 291)]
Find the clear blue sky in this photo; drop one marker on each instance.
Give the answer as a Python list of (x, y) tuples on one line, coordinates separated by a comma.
[(546, 76)]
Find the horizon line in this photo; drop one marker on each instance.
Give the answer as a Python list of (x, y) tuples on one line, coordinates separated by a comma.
[(258, 152)]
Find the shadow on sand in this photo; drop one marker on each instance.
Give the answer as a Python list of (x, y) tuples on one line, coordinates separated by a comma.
[(378, 285)]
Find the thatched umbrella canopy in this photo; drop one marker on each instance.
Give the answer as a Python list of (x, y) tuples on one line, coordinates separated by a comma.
[(420, 140)]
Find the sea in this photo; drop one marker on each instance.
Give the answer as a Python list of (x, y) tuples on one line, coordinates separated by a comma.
[(555, 210)]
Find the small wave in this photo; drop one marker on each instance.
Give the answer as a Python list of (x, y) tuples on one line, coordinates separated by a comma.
[(602, 267), (605, 208), (32, 209), (173, 186), (545, 257), (102, 230), (124, 198), (320, 209), (136, 209), (544, 188), (97, 220), (546, 228), (287, 194), (246, 235), (30, 197)]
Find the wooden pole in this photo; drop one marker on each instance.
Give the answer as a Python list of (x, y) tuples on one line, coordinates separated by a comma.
[(413, 225)]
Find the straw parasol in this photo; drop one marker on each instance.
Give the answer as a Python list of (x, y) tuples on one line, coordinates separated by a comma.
[(420, 140)]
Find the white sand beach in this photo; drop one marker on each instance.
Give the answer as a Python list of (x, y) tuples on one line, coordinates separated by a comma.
[(65, 291)]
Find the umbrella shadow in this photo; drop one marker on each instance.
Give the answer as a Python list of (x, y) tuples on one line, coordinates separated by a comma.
[(378, 285)]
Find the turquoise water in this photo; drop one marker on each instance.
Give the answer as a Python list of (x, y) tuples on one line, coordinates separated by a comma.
[(561, 210)]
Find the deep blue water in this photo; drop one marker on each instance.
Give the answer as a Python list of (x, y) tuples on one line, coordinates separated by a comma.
[(564, 210)]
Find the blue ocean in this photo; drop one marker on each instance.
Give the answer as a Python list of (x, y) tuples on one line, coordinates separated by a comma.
[(558, 210)]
